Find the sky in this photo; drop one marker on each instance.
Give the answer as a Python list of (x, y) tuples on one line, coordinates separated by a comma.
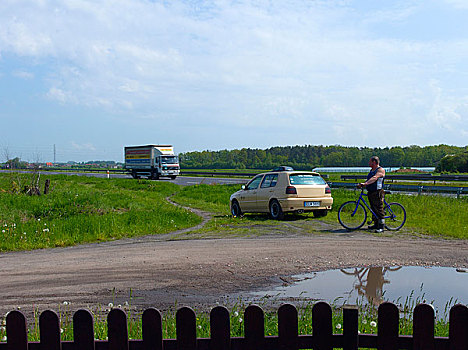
[(90, 77)]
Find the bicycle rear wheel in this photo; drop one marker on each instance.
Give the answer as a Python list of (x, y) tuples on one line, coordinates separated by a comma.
[(352, 215), (395, 216)]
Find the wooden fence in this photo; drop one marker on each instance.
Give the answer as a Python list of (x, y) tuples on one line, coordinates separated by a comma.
[(322, 338)]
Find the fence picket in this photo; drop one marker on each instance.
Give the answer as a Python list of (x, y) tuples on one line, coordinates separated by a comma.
[(388, 327), (152, 329), (254, 327), (117, 332), (49, 330), (350, 327), (322, 326), (458, 327), (288, 328), (288, 338), (16, 331), (83, 330), (186, 329), (423, 327), (220, 328)]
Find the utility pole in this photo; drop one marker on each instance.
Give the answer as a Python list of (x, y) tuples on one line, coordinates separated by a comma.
[(55, 153)]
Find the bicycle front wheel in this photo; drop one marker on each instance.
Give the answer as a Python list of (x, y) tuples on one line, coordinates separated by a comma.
[(352, 215), (395, 216)]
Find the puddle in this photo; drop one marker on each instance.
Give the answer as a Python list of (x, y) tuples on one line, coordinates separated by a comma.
[(402, 285)]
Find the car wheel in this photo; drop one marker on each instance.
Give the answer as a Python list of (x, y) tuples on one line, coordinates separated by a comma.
[(320, 213), (276, 212), (235, 209)]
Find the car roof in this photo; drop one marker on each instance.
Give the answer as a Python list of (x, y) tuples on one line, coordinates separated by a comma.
[(292, 172)]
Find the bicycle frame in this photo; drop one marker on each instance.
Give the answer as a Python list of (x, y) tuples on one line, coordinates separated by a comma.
[(361, 199)]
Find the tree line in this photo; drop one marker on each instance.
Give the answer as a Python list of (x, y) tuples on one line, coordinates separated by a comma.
[(308, 157)]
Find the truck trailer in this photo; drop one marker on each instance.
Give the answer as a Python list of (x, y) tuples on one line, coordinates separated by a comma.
[(152, 161)]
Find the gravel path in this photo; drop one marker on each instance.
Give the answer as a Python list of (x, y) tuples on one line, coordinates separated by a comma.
[(159, 272)]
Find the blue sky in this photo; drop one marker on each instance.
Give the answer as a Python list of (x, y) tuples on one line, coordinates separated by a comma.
[(93, 76)]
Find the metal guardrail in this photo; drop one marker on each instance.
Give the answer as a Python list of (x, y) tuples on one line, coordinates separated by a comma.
[(182, 173), (418, 177), (410, 188)]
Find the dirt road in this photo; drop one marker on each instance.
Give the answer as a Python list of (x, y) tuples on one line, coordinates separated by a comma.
[(199, 272)]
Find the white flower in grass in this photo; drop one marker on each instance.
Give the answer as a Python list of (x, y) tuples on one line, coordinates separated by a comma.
[(338, 326), (110, 305), (39, 219), (199, 326), (61, 330), (236, 313), (364, 321), (373, 324), (66, 303), (3, 231), (240, 320), (4, 338)]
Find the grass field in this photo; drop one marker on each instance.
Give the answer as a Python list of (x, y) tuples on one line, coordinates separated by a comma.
[(429, 215), (85, 209)]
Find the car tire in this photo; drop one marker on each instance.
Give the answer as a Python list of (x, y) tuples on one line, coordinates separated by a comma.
[(276, 212), (320, 213), (235, 209)]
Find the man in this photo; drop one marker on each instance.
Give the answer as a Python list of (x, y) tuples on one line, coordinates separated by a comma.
[(375, 193)]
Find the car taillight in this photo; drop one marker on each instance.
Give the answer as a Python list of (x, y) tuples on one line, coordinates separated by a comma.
[(327, 190), (291, 190)]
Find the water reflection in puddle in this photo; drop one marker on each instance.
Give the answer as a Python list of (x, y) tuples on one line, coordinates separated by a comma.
[(436, 285)]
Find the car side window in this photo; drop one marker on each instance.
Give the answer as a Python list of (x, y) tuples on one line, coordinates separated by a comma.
[(269, 181), (252, 185), (274, 180), (266, 181)]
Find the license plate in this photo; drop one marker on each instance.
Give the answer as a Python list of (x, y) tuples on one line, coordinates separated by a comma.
[(311, 204)]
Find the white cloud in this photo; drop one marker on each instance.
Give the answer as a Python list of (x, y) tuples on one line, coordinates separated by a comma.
[(82, 147), (240, 64), (23, 75)]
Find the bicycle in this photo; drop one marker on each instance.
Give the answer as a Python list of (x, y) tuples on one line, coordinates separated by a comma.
[(352, 215)]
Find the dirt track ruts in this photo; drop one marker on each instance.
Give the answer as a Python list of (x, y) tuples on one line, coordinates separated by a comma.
[(198, 272)]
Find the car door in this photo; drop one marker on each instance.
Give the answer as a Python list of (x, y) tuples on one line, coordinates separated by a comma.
[(265, 192), (248, 198)]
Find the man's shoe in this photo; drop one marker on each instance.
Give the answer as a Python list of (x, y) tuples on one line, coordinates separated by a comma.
[(379, 230)]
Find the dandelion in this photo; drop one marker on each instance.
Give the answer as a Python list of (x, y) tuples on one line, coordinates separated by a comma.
[(45, 230), (119, 306), (38, 219), (66, 303), (240, 320), (338, 326), (236, 314), (373, 324), (199, 326), (110, 305)]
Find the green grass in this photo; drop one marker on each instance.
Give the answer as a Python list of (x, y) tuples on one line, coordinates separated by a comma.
[(85, 209), (429, 215)]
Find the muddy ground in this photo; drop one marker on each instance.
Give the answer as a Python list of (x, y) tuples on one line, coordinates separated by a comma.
[(161, 272)]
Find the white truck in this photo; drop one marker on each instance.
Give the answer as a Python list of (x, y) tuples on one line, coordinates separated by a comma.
[(152, 161)]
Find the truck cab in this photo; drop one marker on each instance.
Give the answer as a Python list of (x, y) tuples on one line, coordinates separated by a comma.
[(152, 161)]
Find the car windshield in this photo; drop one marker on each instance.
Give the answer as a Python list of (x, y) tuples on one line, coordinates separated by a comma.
[(306, 179), (169, 160)]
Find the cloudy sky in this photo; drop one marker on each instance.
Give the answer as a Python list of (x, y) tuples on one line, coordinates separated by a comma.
[(93, 76)]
